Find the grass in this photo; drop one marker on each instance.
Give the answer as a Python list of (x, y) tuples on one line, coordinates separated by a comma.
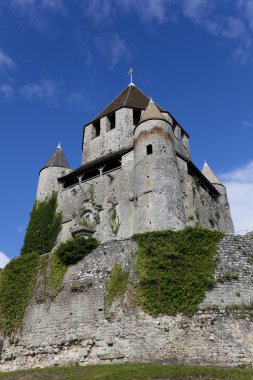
[(130, 372)]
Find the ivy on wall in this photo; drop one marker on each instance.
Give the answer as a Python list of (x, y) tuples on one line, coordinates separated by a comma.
[(43, 228), (174, 269), (115, 288), (16, 286), (68, 253)]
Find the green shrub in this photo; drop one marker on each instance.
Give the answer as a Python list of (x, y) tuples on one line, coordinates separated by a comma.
[(116, 286), (16, 287), (174, 269), (43, 228), (75, 249)]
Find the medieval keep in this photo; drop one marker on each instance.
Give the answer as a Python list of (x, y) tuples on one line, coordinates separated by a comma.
[(136, 175)]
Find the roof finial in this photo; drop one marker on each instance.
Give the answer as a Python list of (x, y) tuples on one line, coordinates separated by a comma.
[(59, 146), (130, 72), (151, 100)]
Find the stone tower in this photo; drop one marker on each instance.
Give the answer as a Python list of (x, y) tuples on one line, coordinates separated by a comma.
[(157, 186), (226, 223), (56, 167)]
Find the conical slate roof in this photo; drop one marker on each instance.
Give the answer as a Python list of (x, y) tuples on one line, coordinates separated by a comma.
[(57, 159), (130, 97), (209, 174), (152, 113)]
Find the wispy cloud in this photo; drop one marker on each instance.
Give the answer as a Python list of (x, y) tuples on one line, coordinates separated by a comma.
[(239, 184), (53, 93), (147, 10), (197, 10), (78, 100), (6, 62), (6, 91), (232, 22), (45, 90), (247, 124), (113, 48), (4, 260), (38, 11), (20, 229)]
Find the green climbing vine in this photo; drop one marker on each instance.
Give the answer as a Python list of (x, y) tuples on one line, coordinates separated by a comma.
[(43, 228), (174, 269), (114, 220), (16, 286), (115, 288)]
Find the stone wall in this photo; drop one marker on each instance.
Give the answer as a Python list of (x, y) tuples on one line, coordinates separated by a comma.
[(72, 327), (103, 204)]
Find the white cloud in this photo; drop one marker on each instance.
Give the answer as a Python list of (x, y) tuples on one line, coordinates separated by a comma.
[(239, 184), (6, 91), (48, 90), (6, 62), (76, 99), (147, 10), (246, 8), (196, 9), (113, 48), (20, 229), (4, 260), (38, 10)]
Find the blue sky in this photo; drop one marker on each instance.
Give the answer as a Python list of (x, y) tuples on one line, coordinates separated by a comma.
[(62, 61)]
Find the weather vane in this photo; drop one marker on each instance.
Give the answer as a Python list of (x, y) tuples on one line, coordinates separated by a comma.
[(130, 72)]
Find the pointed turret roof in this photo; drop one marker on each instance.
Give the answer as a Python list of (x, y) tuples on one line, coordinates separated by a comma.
[(209, 174), (57, 159), (130, 97), (152, 112)]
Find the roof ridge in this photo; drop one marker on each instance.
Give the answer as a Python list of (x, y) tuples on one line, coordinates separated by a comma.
[(96, 117), (129, 89)]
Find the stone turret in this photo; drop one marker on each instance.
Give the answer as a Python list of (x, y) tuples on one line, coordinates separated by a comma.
[(157, 186), (56, 167), (226, 220)]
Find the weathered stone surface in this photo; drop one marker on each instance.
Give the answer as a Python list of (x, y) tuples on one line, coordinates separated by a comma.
[(72, 327)]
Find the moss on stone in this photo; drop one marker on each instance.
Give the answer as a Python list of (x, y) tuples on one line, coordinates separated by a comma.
[(114, 220), (91, 191)]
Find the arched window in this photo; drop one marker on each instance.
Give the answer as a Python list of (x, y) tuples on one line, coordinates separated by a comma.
[(149, 149)]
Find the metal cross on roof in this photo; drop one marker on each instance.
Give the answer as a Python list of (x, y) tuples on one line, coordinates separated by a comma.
[(130, 72)]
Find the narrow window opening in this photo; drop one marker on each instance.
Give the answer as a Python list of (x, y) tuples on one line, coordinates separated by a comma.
[(136, 116), (111, 122), (96, 129), (149, 149)]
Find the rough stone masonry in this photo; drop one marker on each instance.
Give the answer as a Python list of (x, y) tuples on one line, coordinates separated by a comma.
[(73, 328)]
